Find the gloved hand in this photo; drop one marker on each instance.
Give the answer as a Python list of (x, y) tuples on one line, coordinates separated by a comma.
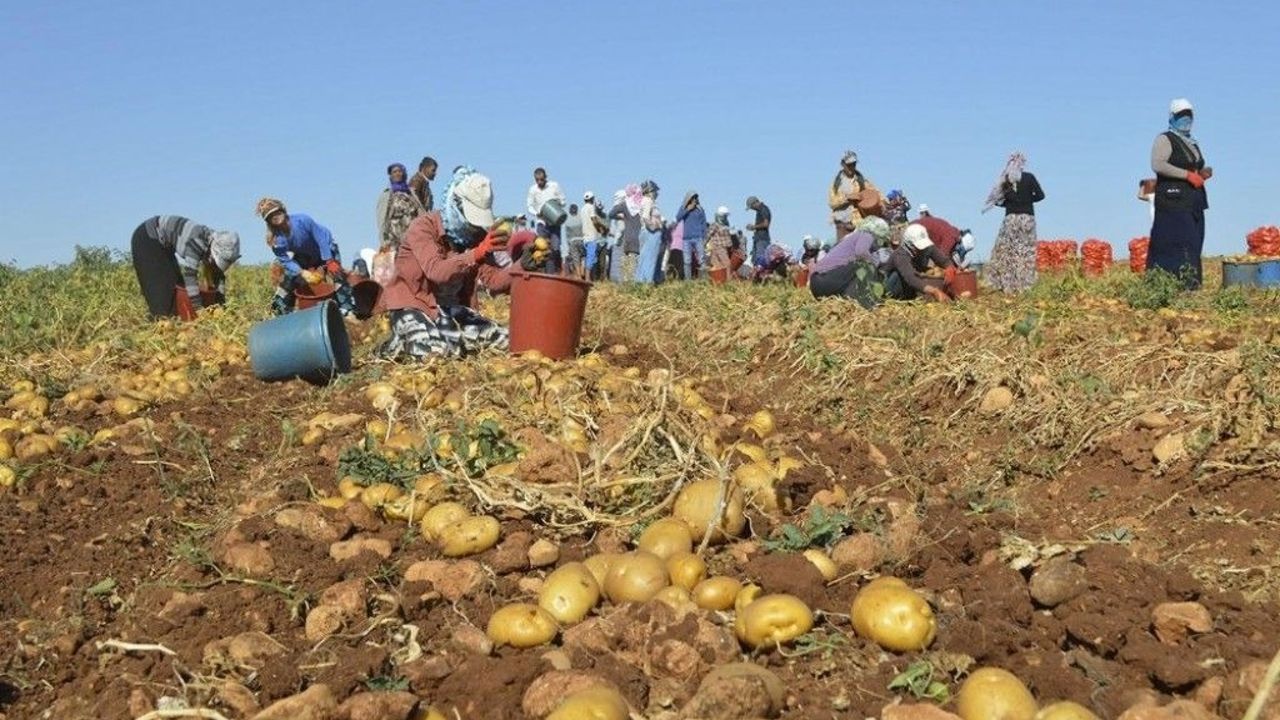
[(496, 239), (949, 275), (1196, 180), (334, 268), (937, 294)]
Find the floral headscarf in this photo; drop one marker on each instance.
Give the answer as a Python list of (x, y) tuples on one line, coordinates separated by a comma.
[(876, 227), (635, 198), (1012, 175), (455, 224), (403, 185)]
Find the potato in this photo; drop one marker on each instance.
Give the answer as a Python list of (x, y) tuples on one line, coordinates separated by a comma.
[(686, 570), (377, 428), (716, 593), (569, 593), (635, 577), (755, 452), (312, 436), (382, 395), (756, 480), (994, 694), (747, 595), (20, 399), (1065, 710), (125, 406), (594, 703), (773, 620), (675, 596), (7, 476), (823, 562), (407, 508), (761, 424), (521, 625), (697, 503), (336, 502), (379, 494), (6, 449), (350, 488), (469, 536), (666, 538), (599, 565), (440, 517), (893, 616), (34, 446), (430, 488)]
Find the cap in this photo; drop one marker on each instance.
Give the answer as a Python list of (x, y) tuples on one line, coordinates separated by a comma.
[(916, 237), (588, 196), (475, 194), (752, 201), (849, 158), (224, 248), (722, 210), (924, 208), (1180, 105), (267, 205)]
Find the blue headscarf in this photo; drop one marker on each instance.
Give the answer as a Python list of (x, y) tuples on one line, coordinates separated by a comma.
[(403, 185), (1181, 124), (456, 226)]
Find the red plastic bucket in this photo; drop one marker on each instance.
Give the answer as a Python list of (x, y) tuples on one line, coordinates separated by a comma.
[(966, 281), (801, 278), (736, 258), (719, 276), (318, 293), (182, 304), (546, 314)]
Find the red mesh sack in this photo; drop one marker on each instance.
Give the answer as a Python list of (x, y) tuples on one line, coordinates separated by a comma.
[(1095, 256), (1138, 254), (1265, 241), (1054, 254)]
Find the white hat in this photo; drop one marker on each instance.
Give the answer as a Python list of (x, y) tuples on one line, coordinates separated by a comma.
[(1180, 105), (966, 241), (224, 248), (722, 210), (916, 237), (476, 194), (924, 208), (588, 196)]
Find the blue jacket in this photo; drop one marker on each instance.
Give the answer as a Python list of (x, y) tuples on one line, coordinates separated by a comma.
[(310, 242), (695, 222)]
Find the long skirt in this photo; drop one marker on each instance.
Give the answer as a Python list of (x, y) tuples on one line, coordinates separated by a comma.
[(647, 266), (858, 281), (1177, 239), (1013, 259), (456, 331)]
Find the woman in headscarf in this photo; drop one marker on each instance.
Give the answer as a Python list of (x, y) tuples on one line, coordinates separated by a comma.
[(445, 257), (306, 254), (850, 269), (648, 265), (1013, 259), (1177, 231), (626, 212), (171, 254), (904, 272), (719, 240), (397, 207)]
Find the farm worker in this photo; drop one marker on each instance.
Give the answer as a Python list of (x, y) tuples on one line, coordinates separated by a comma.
[(759, 230), (902, 273), (541, 192), (170, 252), (719, 240), (648, 268), (849, 269), (626, 212), (576, 251), (1177, 232), (444, 259), (811, 250), (594, 230), (420, 183), (695, 231), (942, 234), (842, 197), (896, 207), (305, 253), (1013, 259), (397, 207)]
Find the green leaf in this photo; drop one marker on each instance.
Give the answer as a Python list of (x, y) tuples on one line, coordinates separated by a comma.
[(102, 588)]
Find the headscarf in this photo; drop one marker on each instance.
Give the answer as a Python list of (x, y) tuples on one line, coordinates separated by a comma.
[(634, 198), (403, 185), (1011, 175), (456, 227), (264, 208), (876, 227), (1181, 124), (224, 248)]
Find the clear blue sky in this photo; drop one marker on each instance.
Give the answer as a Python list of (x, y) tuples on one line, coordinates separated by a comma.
[(112, 112)]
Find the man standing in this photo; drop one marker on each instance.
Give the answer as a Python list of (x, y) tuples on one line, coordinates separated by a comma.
[(759, 230), (420, 184), (541, 192), (842, 198), (593, 226), (695, 231), (575, 252)]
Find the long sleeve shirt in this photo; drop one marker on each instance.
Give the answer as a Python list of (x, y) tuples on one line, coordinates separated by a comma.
[(1021, 198), (310, 243), (539, 196), (854, 246), (1162, 150), (695, 222), (421, 189), (590, 232), (189, 241), (910, 266), (942, 233), (650, 215), (430, 273), (629, 238)]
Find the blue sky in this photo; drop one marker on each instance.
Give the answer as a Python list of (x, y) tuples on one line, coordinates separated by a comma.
[(112, 112)]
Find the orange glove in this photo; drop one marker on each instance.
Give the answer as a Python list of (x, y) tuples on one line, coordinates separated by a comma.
[(335, 268), (949, 275), (494, 240), (1196, 180)]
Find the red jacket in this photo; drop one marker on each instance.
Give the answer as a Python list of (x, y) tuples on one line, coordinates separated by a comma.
[(942, 233), (428, 269)]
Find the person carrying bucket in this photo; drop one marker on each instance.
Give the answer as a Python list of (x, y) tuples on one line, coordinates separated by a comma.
[(547, 210), (306, 254), (171, 256), (445, 258)]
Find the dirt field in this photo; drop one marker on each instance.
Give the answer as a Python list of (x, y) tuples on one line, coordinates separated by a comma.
[(1080, 483)]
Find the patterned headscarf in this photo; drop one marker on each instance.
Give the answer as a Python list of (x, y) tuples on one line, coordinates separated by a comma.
[(456, 227), (268, 205), (876, 227), (403, 185), (635, 198), (1012, 175)]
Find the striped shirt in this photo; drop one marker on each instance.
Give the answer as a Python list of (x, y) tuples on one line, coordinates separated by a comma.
[(190, 242)]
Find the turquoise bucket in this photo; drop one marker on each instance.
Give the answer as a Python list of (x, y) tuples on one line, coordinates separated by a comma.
[(1237, 273), (311, 344), (1269, 274)]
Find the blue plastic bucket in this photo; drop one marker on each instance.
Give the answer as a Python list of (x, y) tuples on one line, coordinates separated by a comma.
[(1269, 274), (1237, 273), (311, 344)]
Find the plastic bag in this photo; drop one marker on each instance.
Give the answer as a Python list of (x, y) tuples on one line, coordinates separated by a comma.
[(384, 267), (1095, 256), (1138, 254)]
